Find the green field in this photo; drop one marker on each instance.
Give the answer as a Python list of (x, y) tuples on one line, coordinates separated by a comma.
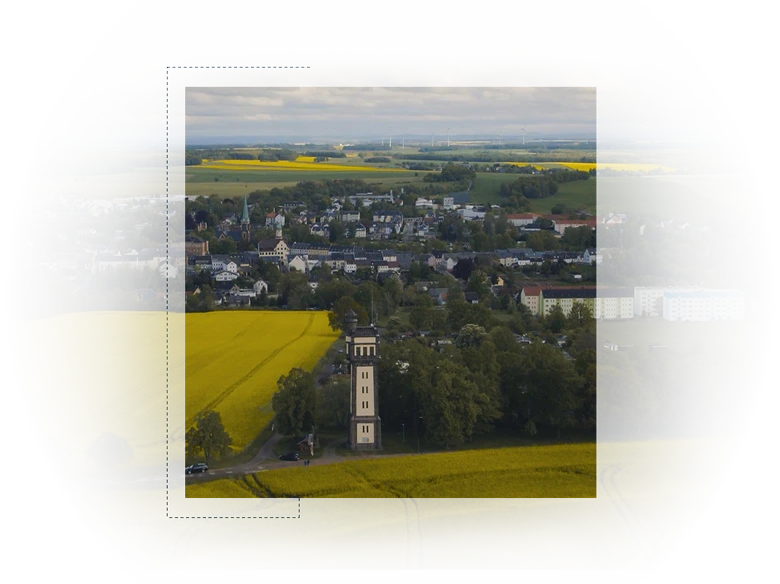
[(680, 336), (620, 505), (208, 181), (576, 195), (649, 195)]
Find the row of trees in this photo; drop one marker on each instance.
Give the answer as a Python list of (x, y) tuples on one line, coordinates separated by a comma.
[(208, 437), (489, 380)]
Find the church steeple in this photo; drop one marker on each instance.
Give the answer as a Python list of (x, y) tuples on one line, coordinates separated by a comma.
[(245, 221), (245, 213)]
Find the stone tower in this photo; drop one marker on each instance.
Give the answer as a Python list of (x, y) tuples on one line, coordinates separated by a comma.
[(362, 349)]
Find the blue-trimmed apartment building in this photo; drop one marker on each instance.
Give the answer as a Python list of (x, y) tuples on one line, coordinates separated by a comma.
[(703, 305)]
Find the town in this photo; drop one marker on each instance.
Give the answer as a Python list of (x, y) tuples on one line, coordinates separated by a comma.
[(187, 255)]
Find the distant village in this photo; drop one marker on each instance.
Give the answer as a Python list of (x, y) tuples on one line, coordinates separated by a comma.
[(233, 285)]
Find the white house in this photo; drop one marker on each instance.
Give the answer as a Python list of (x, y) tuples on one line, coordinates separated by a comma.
[(349, 216), (274, 220), (167, 270), (591, 256), (298, 264), (221, 263), (226, 276), (260, 286)]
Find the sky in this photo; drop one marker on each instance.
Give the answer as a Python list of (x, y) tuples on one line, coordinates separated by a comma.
[(371, 69)]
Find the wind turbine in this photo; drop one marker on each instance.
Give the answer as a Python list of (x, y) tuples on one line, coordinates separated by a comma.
[(522, 135), (448, 137)]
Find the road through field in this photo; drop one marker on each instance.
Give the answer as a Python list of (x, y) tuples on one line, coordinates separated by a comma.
[(263, 460)]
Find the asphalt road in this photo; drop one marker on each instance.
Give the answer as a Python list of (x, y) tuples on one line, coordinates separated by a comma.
[(263, 461)]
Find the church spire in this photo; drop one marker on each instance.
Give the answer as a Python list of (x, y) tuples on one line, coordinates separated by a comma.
[(245, 214)]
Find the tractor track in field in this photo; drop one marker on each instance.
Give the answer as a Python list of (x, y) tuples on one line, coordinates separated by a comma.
[(414, 545), (230, 389), (630, 518)]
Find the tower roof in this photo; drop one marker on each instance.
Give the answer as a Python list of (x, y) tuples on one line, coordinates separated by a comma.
[(245, 212)]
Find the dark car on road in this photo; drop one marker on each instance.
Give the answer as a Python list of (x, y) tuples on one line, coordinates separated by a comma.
[(199, 467), (291, 456)]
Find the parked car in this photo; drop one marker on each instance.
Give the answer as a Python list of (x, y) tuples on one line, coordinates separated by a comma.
[(291, 456), (198, 467)]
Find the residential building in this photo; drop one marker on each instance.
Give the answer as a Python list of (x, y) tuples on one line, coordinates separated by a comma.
[(561, 225), (222, 262), (349, 216), (603, 303), (298, 263), (521, 219), (703, 305), (226, 276), (167, 270), (591, 256), (260, 286), (195, 246), (645, 298)]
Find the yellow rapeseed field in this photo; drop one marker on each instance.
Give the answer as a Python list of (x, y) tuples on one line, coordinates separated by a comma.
[(287, 165), (588, 506), (586, 166), (78, 375)]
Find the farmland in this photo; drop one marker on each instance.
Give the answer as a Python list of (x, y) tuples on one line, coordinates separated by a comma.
[(575, 195), (299, 165), (623, 505), (664, 197), (231, 181), (680, 336), (82, 374)]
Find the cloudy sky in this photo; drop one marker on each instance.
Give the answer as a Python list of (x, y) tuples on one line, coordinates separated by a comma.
[(406, 67)]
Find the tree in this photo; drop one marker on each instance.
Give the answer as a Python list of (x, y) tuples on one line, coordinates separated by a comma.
[(451, 406), (108, 450), (295, 404), (470, 335), (579, 316), (208, 435), (555, 320), (462, 270), (340, 309), (334, 404), (541, 386), (54, 456)]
